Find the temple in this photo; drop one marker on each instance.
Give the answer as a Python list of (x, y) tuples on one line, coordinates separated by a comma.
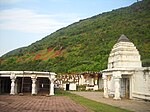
[(19, 82), (125, 77)]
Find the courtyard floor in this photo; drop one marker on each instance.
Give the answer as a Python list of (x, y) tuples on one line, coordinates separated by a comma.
[(133, 105), (29, 103)]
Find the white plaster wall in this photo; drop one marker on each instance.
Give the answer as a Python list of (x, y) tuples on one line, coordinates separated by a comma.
[(111, 88), (95, 87), (91, 81), (72, 86), (81, 80), (141, 84)]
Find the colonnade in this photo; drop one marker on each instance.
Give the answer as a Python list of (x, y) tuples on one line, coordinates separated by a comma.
[(34, 77)]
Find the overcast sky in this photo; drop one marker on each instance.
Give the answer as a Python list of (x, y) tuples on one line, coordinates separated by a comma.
[(23, 22)]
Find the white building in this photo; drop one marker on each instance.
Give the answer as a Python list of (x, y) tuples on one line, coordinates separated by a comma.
[(15, 82), (89, 80), (92, 80), (125, 77)]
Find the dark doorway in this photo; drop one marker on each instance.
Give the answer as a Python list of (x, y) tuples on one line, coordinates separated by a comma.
[(67, 87), (24, 84), (43, 85), (27, 84), (5, 85), (127, 88)]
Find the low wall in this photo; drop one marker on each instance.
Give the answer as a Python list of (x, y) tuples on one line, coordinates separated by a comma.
[(141, 84)]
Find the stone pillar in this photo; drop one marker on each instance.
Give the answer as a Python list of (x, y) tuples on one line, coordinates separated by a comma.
[(34, 91), (13, 86), (105, 86), (92, 81), (52, 79), (117, 76), (51, 87), (81, 80), (96, 82)]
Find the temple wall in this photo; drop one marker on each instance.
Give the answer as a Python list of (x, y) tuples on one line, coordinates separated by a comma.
[(72, 86), (111, 88), (91, 81), (141, 84)]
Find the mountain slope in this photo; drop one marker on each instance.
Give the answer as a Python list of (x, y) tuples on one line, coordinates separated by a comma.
[(85, 45)]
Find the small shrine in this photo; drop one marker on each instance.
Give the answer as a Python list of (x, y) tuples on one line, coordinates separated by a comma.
[(125, 77)]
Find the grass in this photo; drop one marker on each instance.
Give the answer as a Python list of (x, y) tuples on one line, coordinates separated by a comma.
[(90, 104)]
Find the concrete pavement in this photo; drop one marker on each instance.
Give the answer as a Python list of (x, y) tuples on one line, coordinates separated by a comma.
[(133, 105)]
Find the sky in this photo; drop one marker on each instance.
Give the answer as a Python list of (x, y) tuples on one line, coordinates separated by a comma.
[(23, 22)]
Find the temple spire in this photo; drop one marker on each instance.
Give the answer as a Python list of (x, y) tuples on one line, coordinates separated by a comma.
[(123, 38)]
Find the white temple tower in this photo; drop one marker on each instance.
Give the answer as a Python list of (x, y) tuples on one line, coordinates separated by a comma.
[(124, 55), (125, 77)]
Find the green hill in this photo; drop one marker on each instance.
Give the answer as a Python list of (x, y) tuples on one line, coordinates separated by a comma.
[(85, 45)]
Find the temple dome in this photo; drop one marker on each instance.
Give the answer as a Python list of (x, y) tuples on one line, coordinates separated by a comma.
[(124, 55)]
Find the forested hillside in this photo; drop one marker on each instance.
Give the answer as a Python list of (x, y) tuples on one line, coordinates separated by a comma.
[(85, 45)]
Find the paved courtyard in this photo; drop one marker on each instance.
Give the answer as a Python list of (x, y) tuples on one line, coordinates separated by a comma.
[(29, 103), (133, 105)]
